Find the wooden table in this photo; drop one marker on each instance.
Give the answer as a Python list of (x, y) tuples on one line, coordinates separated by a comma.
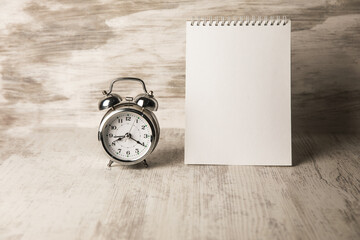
[(55, 185), (57, 56)]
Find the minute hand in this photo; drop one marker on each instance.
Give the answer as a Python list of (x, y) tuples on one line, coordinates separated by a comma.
[(137, 141)]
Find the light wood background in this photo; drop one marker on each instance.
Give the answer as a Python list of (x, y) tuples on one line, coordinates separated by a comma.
[(57, 56)]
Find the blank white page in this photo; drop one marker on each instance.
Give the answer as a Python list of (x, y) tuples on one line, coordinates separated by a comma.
[(238, 95)]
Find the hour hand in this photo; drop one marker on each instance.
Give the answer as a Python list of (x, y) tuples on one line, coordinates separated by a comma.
[(119, 138)]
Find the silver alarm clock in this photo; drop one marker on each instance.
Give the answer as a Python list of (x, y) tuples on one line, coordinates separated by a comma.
[(129, 131)]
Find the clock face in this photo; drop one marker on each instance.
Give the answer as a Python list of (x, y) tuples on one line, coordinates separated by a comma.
[(127, 136)]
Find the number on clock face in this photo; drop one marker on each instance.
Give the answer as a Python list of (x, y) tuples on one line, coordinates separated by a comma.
[(127, 136)]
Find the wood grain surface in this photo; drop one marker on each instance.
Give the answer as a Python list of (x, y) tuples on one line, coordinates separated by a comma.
[(50, 191), (56, 56)]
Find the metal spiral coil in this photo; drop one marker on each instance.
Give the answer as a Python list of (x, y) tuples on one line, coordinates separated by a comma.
[(240, 21)]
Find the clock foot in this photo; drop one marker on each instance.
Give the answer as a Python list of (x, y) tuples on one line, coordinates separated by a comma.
[(109, 164), (145, 163)]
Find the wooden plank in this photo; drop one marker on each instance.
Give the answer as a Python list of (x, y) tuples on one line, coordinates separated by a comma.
[(55, 185), (64, 54)]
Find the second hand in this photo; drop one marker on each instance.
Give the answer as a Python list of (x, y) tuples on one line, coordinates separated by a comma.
[(132, 126)]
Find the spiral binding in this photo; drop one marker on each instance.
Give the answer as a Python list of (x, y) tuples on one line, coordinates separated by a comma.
[(240, 21)]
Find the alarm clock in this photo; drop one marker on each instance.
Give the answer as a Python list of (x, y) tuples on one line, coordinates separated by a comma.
[(129, 131)]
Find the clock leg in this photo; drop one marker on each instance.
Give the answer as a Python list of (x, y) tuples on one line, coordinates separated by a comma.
[(109, 164), (145, 163)]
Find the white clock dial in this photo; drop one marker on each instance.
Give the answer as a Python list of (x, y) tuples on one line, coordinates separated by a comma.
[(127, 136)]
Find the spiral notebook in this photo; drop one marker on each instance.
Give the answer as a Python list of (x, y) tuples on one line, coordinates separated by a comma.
[(238, 91)]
